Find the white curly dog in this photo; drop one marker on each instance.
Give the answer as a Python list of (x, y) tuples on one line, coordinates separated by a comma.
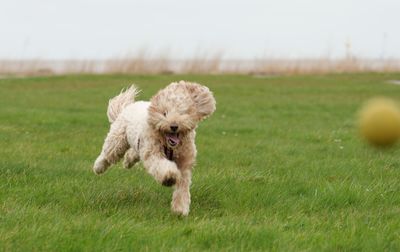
[(161, 133)]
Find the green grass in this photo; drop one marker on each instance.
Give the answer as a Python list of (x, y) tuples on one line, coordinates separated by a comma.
[(280, 167)]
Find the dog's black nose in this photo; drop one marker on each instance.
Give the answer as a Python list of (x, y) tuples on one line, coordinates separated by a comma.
[(174, 128)]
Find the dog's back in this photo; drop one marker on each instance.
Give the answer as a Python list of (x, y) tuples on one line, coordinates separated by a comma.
[(135, 115)]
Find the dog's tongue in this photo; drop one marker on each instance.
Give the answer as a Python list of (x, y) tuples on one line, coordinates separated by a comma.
[(173, 139)]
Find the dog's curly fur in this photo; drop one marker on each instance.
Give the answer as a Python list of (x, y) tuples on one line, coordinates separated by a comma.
[(161, 133)]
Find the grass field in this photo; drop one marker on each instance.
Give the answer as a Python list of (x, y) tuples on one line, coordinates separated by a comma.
[(280, 167)]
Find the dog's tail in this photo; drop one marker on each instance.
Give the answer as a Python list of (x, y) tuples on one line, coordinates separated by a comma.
[(119, 102)]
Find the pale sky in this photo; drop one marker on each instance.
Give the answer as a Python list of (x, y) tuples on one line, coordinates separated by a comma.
[(98, 29)]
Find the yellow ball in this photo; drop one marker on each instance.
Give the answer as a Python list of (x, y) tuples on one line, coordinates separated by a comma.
[(379, 122)]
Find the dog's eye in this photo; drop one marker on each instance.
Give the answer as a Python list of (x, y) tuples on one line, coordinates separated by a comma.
[(165, 113)]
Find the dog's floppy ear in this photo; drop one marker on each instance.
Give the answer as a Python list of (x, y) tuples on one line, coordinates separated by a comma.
[(202, 97)]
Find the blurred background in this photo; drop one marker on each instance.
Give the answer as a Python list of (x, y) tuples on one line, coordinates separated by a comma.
[(44, 37)]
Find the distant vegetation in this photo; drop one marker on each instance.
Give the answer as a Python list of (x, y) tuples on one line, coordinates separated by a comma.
[(214, 64)]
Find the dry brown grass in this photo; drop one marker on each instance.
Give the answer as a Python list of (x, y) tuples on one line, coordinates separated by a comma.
[(142, 63), (324, 66)]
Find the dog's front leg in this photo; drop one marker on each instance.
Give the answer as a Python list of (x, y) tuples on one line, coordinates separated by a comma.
[(163, 170), (181, 198)]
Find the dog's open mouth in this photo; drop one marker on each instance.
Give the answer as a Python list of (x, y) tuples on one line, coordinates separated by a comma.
[(172, 139)]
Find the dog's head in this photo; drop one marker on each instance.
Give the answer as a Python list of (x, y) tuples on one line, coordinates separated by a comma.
[(176, 110)]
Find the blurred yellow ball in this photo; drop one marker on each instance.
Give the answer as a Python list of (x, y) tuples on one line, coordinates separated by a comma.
[(379, 122)]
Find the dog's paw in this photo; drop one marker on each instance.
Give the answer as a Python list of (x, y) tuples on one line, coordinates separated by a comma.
[(169, 181), (180, 209), (127, 164), (170, 178), (98, 169), (100, 166), (180, 202), (130, 159), (169, 174)]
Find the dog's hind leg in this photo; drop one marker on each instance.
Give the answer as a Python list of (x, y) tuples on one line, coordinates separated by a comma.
[(131, 158), (114, 147)]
